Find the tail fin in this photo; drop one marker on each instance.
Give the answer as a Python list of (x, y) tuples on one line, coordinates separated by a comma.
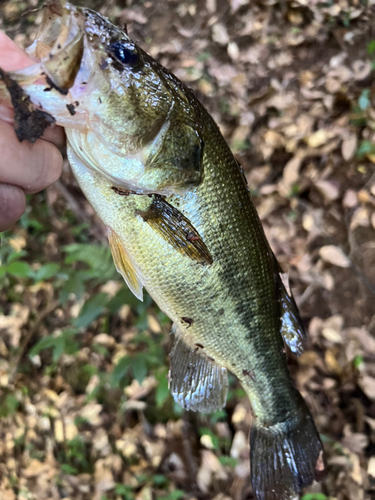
[(284, 458)]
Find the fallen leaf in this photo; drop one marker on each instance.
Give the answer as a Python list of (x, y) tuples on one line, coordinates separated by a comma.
[(334, 255), (349, 147), (367, 384), (239, 444), (220, 34), (329, 189), (371, 467)]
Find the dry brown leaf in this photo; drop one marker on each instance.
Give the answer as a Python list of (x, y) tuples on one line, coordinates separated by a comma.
[(104, 339), (367, 384), (317, 139), (18, 242), (233, 51), (350, 198), (239, 414), (356, 472), (290, 175), (91, 413), (209, 470), (356, 442), (331, 328), (104, 480), (329, 189), (371, 467), (239, 444), (64, 430), (331, 362), (349, 147), (362, 69), (334, 255), (137, 391), (360, 218), (220, 34)]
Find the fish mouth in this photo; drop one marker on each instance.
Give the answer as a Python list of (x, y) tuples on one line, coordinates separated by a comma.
[(59, 44), (64, 33)]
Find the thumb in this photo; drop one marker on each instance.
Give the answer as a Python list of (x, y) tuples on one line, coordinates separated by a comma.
[(12, 57)]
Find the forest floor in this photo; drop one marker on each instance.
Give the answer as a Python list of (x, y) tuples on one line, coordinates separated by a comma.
[(85, 412)]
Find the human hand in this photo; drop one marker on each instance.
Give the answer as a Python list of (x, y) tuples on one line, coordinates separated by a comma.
[(24, 168)]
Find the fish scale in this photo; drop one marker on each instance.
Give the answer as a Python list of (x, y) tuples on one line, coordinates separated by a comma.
[(181, 224)]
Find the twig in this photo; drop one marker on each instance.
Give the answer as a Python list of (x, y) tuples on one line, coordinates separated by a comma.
[(51, 307)]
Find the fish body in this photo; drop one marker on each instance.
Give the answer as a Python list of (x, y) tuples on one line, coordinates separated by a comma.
[(156, 169)]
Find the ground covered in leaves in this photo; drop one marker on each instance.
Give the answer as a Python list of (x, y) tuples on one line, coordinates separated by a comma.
[(85, 411)]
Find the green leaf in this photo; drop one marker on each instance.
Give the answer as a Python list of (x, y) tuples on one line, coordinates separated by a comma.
[(219, 415), (69, 469), (371, 47), (64, 343), (98, 258), (91, 310), (20, 269), (365, 148), (16, 256), (120, 371), (364, 101), (122, 297), (58, 348), (314, 496), (12, 403), (230, 461), (46, 272), (357, 361), (203, 56), (44, 343), (160, 480), (138, 364), (162, 390), (174, 495), (75, 284), (124, 491)]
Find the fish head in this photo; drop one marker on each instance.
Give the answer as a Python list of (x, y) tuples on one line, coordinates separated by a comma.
[(119, 107), (84, 60)]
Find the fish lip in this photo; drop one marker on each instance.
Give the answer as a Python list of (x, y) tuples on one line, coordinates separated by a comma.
[(99, 29), (59, 44)]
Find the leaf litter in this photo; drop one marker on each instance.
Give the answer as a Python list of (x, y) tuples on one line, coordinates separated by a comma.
[(85, 411)]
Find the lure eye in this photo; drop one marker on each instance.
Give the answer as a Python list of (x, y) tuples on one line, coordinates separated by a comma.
[(125, 53)]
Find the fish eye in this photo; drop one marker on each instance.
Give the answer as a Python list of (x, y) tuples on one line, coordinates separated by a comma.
[(124, 52)]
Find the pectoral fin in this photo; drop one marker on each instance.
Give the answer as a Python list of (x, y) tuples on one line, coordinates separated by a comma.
[(196, 382), (124, 265), (175, 228)]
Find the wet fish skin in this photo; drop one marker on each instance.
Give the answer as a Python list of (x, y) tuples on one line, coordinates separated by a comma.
[(182, 225)]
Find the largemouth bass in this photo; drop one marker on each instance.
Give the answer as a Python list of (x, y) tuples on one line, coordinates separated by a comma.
[(181, 223)]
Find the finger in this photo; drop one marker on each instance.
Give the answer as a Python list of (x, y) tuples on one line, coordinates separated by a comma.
[(12, 57), (12, 205), (6, 112), (56, 135), (32, 167)]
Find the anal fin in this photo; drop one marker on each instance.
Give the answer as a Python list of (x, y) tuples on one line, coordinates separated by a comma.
[(124, 265), (196, 381)]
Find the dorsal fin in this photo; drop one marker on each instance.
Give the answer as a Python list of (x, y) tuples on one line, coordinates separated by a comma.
[(124, 265), (196, 381)]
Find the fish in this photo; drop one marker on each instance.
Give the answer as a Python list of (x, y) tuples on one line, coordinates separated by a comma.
[(181, 224)]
